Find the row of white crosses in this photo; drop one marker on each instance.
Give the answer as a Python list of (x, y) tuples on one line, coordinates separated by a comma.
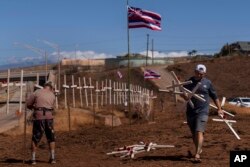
[(179, 84), (107, 94), (9, 84), (132, 150)]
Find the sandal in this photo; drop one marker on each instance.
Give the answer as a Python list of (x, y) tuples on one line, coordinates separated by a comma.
[(197, 158)]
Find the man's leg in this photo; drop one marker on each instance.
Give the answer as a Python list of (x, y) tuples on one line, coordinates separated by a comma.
[(201, 123), (198, 143), (37, 134), (33, 153), (52, 150), (49, 131)]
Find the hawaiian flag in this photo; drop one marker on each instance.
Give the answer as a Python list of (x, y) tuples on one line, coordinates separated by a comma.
[(149, 74), (138, 18)]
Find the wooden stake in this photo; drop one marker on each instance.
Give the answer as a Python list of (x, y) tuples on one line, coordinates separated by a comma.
[(73, 91), (118, 93), (69, 117), (25, 129), (175, 95), (115, 91), (91, 95), (80, 91), (102, 90), (56, 94), (106, 92), (97, 96), (85, 91), (65, 92), (110, 92)]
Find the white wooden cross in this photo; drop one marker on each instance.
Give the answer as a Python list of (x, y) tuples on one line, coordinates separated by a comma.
[(97, 90), (177, 83), (91, 95), (123, 92), (110, 92), (80, 90), (37, 82), (65, 86), (21, 91), (102, 90), (56, 94), (115, 93), (228, 122), (85, 87), (180, 85), (106, 91), (119, 93), (132, 150), (203, 100), (73, 86)]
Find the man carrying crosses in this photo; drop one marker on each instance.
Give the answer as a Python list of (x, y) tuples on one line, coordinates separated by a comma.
[(197, 115), (42, 102)]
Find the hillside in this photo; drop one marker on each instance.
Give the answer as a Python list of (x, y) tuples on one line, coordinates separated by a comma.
[(230, 75), (87, 145)]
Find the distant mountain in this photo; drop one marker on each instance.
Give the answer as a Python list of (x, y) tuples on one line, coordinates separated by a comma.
[(23, 64)]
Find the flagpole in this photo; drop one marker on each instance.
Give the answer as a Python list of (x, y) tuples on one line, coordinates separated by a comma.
[(128, 100), (152, 51), (147, 50)]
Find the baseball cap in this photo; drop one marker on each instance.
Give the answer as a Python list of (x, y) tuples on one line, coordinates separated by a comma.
[(201, 68), (49, 84)]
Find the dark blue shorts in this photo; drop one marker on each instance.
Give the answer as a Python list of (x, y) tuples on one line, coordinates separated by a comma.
[(43, 126), (197, 123)]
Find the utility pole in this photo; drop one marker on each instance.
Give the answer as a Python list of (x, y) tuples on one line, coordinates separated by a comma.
[(59, 69), (57, 48), (147, 50)]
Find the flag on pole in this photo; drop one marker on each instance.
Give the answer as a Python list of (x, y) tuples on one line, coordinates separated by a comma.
[(149, 74), (139, 18), (119, 74)]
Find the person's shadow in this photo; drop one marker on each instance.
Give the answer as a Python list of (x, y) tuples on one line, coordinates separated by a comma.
[(164, 158), (16, 161), (187, 158)]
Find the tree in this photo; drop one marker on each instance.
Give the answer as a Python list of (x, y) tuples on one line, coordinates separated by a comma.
[(192, 53)]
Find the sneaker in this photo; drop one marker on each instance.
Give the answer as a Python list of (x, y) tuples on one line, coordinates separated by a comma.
[(33, 162), (52, 161)]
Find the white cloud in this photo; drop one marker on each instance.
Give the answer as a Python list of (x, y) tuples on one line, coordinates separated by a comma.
[(81, 55), (93, 55), (162, 54), (31, 58)]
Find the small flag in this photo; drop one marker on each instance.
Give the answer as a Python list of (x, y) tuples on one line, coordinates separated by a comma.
[(119, 74), (138, 18), (149, 74)]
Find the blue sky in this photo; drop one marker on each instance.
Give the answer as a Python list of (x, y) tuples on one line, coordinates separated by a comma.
[(97, 28)]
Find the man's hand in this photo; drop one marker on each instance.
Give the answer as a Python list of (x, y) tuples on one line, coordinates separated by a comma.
[(220, 112), (185, 96)]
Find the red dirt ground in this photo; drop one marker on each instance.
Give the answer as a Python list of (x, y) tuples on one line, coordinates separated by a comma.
[(87, 146)]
